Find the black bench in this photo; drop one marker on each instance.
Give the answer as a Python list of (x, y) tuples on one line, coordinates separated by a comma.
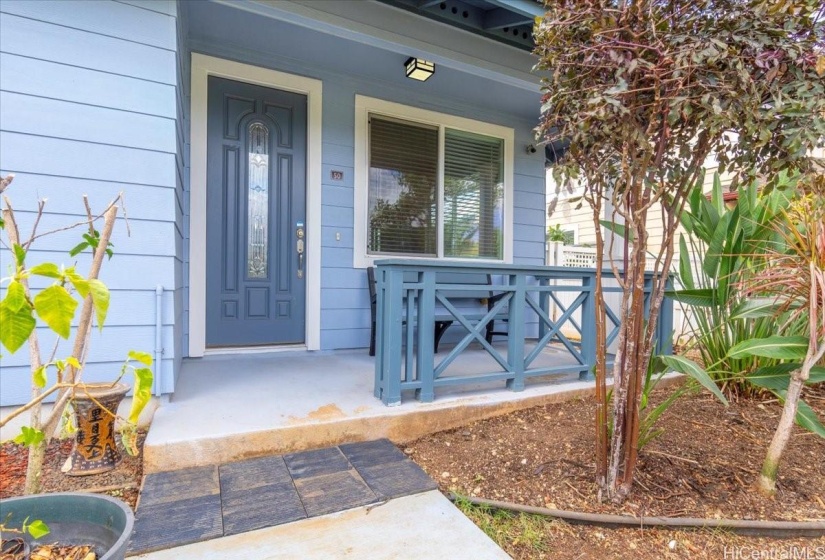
[(485, 293)]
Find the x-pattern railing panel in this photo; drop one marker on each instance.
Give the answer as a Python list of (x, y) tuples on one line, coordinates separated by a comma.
[(410, 300)]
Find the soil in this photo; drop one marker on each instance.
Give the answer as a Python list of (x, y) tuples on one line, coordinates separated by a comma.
[(703, 465), (123, 482)]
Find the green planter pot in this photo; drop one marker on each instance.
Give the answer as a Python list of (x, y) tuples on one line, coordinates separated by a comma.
[(75, 518)]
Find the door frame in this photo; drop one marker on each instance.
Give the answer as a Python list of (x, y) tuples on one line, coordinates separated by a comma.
[(204, 66)]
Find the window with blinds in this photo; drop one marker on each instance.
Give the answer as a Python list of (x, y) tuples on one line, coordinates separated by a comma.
[(473, 195), (403, 185), (406, 193)]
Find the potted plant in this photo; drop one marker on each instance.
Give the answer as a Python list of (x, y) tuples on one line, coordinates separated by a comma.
[(88, 410)]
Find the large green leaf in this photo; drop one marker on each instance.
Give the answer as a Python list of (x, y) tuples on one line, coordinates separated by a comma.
[(37, 529), (715, 247), (618, 229), (716, 196), (47, 269), (729, 258), (687, 367), (777, 377), (15, 296), (757, 307), (685, 266), (807, 418), (100, 299), (143, 357), (16, 325), (29, 436), (702, 297), (78, 281), (142, 393), (56, 307), (777, 347), (19, 254)]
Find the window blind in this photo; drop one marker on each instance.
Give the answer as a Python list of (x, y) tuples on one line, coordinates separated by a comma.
[(473, 195), (403, 182)]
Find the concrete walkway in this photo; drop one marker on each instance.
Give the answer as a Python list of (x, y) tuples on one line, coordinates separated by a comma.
[(423, 526)]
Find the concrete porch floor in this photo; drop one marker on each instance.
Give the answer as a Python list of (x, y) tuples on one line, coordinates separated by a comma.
[(231, 407)]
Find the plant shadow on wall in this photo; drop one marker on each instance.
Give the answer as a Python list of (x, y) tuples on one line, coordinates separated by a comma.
[(69, 304)]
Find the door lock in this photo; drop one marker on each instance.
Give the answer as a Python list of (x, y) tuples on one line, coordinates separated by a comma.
[(299, 248)]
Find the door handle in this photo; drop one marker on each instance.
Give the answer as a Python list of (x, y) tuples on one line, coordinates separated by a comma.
[(299, 248)]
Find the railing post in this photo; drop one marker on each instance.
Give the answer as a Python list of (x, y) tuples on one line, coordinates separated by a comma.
[(380, 372), (589, 327), (515, 338), (389, 326), (426, 336)]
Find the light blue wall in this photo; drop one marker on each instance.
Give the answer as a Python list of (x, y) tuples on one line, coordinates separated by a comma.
[(94, 98), (89, 104), (346, 69)]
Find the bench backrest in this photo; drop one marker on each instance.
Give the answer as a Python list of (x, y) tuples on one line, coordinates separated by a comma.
[(479, 279)]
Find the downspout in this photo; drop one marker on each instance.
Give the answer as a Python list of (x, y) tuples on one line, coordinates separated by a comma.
[(158, 385)]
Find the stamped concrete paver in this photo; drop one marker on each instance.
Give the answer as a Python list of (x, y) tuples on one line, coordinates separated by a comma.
[(202, 503)]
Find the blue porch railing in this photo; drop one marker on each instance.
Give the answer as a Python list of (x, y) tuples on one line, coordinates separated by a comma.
[(409, 294)]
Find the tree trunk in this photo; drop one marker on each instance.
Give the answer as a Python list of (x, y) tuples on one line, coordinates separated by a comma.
[(766, 483)]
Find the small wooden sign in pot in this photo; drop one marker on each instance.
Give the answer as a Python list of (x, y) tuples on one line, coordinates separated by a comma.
[(95, 408)]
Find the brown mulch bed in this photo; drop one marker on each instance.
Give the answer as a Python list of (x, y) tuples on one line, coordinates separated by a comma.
[(123, 482), (703, 465)]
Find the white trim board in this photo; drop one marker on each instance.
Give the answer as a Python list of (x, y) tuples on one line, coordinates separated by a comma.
[(366, 105), (202, 67)]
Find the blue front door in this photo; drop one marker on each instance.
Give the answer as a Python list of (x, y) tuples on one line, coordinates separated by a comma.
[(256, 199)]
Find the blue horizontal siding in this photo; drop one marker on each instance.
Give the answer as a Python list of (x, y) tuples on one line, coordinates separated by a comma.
[(111, 345), (338, 154), (161, 7), (345, 338), (345, 319), (337, 216), (329, 233), (92, 87), (123, 272), (55, 43), (355, 299), (120, 21), (84, 160), (334, 278), (337, 256), (14, 387), (63, 196), (533, 200), (86, 123), (337, 195), (144, 237)]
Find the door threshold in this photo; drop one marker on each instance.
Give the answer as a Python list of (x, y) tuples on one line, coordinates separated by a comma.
[(229, 350)]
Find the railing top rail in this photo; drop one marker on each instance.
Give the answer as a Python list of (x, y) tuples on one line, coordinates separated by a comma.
[(493, 268)]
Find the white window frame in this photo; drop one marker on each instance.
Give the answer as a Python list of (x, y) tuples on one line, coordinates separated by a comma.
[(574, 229), (366, 106)]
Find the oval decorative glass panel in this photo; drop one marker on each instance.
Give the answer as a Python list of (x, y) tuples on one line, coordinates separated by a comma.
[(258, 201)]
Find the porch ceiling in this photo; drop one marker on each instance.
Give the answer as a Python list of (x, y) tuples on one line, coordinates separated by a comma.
[(369, 45), (506, 21)]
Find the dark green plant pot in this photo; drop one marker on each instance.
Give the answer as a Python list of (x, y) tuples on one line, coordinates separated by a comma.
[(75, 518)]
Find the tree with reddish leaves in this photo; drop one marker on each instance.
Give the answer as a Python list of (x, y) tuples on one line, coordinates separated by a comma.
[(646, 91)]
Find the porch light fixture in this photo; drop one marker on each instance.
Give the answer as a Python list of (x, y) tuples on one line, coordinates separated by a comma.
[(419, 69)]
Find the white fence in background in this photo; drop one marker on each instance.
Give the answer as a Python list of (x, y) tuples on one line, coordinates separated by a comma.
[(575, 256)]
